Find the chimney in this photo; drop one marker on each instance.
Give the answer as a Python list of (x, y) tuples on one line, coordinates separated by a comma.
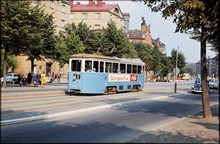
[(71, 3), (99, 3), (90, 2)]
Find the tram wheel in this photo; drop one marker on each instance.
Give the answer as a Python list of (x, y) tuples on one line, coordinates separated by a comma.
[(138, 88)]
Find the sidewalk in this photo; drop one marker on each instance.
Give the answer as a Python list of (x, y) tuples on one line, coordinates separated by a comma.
[(188, 130), (56, 88)]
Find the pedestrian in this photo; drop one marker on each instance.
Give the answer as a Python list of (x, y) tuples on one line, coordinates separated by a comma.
[(53, 76), (39, 79), (19, 80), (35, 80), (56, 76), (59, 76), (43, 78), (29, 79)]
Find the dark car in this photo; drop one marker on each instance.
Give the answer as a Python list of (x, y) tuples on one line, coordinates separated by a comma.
[(197, 86)]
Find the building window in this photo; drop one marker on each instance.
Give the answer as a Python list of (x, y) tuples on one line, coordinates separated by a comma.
[(62, 8), (60, 2), (116, 10), (71, 16), (37, 1), (84, 16), (97, 26), (52, 3), (97, 15), (62, 23)]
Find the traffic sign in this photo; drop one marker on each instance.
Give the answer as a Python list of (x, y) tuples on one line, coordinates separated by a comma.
[(177, 70)]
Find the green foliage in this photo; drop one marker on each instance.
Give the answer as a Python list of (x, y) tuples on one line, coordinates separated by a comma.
[(118, 43), (153, 58), (181, 62), (14, 25), (11, 62), (187, 69), (67, 44), (190, 15)]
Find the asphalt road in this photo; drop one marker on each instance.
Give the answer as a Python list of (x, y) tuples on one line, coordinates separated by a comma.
[(146, 110)]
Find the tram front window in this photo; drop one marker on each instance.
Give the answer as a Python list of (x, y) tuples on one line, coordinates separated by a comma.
[(88, 66), (76, 65)]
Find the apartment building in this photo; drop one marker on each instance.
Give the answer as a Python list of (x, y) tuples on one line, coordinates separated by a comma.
[(212, 65), (60, 9), (96, 14)]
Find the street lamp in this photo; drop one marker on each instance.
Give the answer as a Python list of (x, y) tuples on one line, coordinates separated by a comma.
[(175, 86)]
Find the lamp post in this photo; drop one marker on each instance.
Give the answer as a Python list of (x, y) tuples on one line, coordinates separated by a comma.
[(175, 86), (208, 66)]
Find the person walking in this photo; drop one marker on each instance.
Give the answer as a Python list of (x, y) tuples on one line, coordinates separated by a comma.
[(35, 80), (43, 78), (59, 76), (39, 79), (29, 79)]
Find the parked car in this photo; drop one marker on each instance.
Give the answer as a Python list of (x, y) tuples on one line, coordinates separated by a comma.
[(11, 78), (213, 84), (49, 79), (197, 86)]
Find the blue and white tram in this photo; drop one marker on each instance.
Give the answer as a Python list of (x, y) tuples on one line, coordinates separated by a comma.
[(98, 74)]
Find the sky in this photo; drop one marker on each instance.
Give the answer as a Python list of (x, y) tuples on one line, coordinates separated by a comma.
[(161, 28)]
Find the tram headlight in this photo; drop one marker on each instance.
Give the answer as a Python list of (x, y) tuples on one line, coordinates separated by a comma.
[(74, 76)]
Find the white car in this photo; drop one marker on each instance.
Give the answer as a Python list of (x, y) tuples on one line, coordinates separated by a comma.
[(11, 78), (214, 84), (49, 79)]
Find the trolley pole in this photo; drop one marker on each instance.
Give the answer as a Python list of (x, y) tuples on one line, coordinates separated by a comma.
[(175, 87)]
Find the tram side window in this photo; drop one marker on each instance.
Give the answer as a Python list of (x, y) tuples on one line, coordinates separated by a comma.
[(95, 66), (134, 68), (101, 66), (128, 68), (139, 69), (76, 65), (88, 66), (115, 67), (122, 68), (108, 67)]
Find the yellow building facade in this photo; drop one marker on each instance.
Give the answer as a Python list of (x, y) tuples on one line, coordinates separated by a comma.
[(60, 9), (96, 14)]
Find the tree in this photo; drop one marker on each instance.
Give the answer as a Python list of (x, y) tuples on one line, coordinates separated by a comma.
[(117, 43), (187, 69), (181, 59), (67, 44), (40, 37), (14, 26), (11, 62), (198, 16)]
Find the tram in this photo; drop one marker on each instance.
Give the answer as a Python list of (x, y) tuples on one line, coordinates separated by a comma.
[(98, 74)]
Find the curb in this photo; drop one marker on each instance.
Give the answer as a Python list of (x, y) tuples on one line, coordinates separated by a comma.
[(42, 117)]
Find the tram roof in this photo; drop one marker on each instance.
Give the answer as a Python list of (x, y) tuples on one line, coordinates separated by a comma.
[(96, 56), (84, 55)]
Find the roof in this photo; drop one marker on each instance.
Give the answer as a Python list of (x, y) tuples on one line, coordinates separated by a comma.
[(85, 55), (96, 56), (86, 7), (137, 34)]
